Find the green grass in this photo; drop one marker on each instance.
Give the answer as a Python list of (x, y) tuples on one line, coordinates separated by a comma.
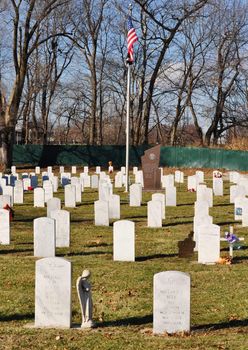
[(122, 291)]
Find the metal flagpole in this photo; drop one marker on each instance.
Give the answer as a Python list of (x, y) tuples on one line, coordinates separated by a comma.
[(128, 115), (127, 125)]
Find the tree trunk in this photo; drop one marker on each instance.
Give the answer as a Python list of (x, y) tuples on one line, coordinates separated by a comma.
[(6, 147)]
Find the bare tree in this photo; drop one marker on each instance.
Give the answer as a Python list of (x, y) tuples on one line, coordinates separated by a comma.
[(28, 18)]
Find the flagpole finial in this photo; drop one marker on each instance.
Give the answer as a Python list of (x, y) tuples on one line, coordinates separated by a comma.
[(130, 7)]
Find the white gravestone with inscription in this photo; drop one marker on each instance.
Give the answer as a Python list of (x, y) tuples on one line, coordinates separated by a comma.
[(124, 240), (53, 279), (171, 302)]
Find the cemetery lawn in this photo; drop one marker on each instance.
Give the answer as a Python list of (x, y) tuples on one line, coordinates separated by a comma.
[(123, 291)]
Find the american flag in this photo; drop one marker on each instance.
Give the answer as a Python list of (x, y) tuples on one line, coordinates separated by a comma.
[(131, 39)]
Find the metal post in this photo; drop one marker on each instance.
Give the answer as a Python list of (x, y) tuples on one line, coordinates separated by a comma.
[(127, 125), (128, 114)]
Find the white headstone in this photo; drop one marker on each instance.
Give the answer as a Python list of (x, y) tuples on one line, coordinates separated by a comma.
[(73, 169), (118, 179), (44, 237), (26, 183), (218, 186), (154, 214), (104, 191), (209, 196), (201, 208), (9, 191), (53, 278), (239, 204), (94, 181), (70, 196), (61, 169), (48, 187), (85, 179), (139, 179), (4, 227), (171, 302), (200, 220), (114, 206), (5, 199), (235, 177), (200, 176), (101, 212), (39, 197), (135, 195), (208, 244), (18, 195), (13, 169), (75, 181), (135, 169), (179, 176), (53, 204), (37, 170), (98, 170), (55, 183), (62, 224), (168, 180), (86, 169), (124, 240), (192, 183), (160, 197), (49, 169), (171, 196), (235, 192)]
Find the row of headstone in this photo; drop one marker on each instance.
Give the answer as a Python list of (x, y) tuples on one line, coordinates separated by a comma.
[(53, 297)]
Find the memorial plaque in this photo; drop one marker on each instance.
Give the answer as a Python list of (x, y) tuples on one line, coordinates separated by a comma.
[(150, 167), (171, 302)]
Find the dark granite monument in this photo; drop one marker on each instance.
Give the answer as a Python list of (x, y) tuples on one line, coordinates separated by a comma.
[(186, 247), (150, 166)]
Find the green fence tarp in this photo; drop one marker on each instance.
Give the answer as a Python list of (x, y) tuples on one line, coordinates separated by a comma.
[(179, 157)]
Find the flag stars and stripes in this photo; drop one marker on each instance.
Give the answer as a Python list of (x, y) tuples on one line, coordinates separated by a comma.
[(131, 39)]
